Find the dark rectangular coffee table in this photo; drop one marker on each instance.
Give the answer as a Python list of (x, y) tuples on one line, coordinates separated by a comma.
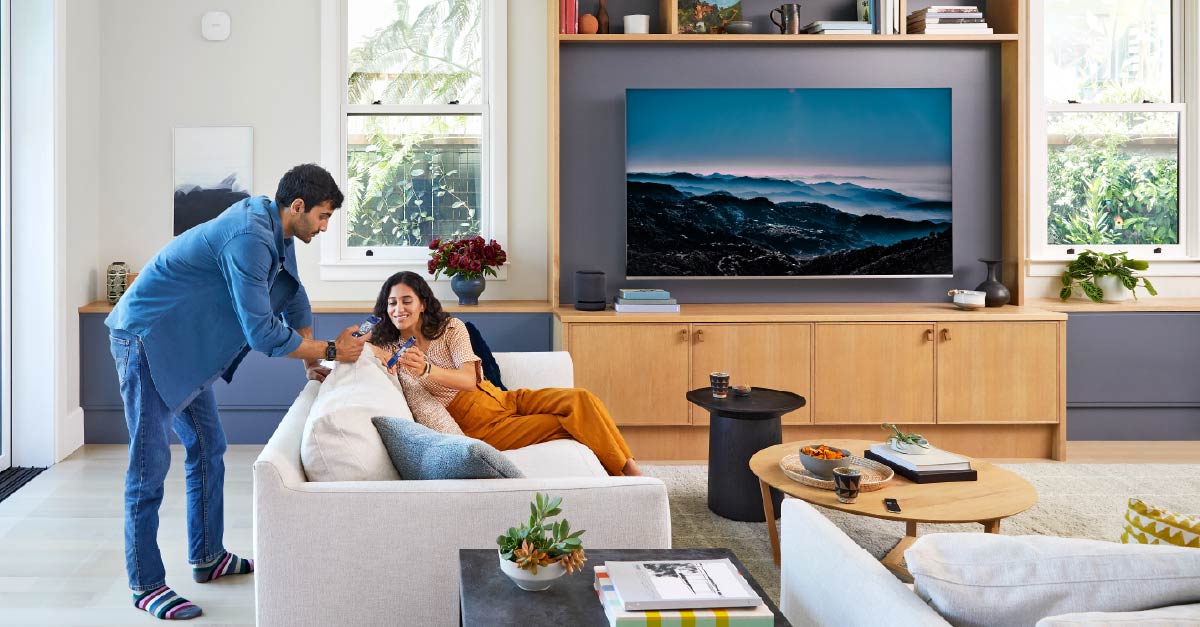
[(488, 597)]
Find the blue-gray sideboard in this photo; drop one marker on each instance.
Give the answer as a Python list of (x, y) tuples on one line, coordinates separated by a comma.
[(263, 388)]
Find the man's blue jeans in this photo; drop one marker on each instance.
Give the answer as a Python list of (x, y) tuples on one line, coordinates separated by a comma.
[(199, 429)]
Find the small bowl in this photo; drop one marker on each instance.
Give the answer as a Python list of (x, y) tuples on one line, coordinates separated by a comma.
[(741, 390), (823, 468), (739, 27), (968, 299)]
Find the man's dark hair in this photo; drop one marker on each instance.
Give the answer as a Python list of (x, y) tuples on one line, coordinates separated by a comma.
[(308, 182)]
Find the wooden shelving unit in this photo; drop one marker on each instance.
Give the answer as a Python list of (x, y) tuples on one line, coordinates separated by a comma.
[(786, 40)]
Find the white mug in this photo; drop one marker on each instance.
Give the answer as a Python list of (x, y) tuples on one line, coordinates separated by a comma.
[(637, 24)]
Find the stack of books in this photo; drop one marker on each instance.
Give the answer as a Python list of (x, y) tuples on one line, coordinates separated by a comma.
[(684, 592), (948, 20), (645, 301), (838, 28), (568, 17), (883, 16), (936, 466)]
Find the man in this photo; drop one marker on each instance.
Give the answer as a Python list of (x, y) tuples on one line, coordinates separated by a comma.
[(204, 301)]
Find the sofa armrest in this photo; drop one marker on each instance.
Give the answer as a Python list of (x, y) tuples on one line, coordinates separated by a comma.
[(536, 370), (827, 579)]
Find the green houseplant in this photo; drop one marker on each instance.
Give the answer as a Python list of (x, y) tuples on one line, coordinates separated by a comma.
[(901, 442), (1104, 276), (536, 553)]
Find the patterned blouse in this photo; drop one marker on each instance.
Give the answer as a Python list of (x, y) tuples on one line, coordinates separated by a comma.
[(451, 351)]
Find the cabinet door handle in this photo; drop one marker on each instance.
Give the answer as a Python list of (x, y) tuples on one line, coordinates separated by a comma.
[(945, 335), (699, 335), (683, 334), (928, 335)]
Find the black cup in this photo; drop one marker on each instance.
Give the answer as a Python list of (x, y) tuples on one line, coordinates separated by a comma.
[(846, 481)]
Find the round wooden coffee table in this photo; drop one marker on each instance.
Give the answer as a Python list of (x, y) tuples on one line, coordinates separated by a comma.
[(997, 494)]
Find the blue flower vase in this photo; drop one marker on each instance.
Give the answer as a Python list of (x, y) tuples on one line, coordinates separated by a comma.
[(467, 290)]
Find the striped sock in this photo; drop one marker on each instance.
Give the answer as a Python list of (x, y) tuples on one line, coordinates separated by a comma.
[(165, 604), (227, 564)]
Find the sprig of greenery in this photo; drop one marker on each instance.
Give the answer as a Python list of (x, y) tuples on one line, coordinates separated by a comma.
[(908, 438), (1091, 265), (554, 539)]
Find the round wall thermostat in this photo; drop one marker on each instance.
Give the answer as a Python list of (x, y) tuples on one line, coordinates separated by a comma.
[(214, 25)]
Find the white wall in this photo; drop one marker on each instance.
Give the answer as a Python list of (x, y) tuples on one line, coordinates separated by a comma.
[(157, 72)]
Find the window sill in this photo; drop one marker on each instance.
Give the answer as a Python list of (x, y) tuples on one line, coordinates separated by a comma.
[(360, 270), (1185, 267)]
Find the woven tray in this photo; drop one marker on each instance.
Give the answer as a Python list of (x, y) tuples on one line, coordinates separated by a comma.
[(874, 474)]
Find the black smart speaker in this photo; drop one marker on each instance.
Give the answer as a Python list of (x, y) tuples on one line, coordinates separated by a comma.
[(589, 290)]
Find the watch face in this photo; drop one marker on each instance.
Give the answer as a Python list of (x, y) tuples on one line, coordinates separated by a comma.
[(331, 351)]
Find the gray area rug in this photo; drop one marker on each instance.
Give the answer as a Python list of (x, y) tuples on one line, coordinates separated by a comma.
[(1074, 500)]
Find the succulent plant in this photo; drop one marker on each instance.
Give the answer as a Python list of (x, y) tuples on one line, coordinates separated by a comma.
[(537, 543), (908, 438)]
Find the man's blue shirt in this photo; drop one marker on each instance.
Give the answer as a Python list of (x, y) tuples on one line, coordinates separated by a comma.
[(213, 294)]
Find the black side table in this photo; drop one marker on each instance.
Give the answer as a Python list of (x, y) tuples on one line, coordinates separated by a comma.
[(488, 597), (739, 427)]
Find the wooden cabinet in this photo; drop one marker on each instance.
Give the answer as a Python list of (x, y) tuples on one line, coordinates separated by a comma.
[(867, 373), (640, 371), (775, 356), (997, 372)]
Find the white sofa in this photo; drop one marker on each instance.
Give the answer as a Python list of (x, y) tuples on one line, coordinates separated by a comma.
[(827, 579), (386, 552)]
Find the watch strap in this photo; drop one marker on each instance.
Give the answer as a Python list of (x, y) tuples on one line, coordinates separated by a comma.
[(331, 351)]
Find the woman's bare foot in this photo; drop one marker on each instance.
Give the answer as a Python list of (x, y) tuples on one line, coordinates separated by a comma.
[(631, 469)]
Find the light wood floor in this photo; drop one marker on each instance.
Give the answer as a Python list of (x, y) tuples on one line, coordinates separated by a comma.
[(61, 547)]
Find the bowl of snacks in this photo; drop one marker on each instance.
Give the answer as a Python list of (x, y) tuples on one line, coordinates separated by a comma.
[(820, 460)]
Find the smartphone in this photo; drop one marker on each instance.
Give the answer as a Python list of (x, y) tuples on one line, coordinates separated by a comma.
[(403, 347), (366, 326), (891, 505)]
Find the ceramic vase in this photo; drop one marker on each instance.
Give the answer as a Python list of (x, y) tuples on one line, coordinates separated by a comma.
[(996, 294), (602, 18), (527, 580), (117, 280), (1114, 290), (467, 290)]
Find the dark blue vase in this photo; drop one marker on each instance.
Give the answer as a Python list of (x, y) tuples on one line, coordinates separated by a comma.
[(468, 290)]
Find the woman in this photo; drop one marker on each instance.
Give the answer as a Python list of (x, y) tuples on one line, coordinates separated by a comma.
[(444, 363)]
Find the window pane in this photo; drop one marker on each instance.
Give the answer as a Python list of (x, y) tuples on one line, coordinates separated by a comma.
[(1108, 51), (412, 179), (1113, 178), (414, 51)]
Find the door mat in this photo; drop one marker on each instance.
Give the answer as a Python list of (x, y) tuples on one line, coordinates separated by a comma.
[(13, 478)]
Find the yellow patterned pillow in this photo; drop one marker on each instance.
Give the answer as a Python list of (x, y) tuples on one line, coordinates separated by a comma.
[(1147, 524)]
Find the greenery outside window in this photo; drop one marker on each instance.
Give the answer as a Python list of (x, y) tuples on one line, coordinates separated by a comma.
[(1108, 129), (418, 142)]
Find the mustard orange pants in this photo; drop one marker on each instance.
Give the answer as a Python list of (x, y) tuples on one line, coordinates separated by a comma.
[(515, 418)]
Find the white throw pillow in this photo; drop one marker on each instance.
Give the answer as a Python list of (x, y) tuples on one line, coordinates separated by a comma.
[(987, 579), (339, 442)]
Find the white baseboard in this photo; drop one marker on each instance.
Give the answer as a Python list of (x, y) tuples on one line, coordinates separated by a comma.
[(69, 434)]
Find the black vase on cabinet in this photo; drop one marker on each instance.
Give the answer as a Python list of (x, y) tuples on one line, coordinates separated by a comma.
[(996, 294)]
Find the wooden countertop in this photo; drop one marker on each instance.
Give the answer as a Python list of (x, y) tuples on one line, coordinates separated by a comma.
[(815, 312), (1144, 303), (364, 306)]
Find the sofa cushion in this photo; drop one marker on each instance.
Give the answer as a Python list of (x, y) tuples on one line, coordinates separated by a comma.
[(420, 453), (1147, 524), (1174, 616), (989, 579), (339, 441), (491, 369), (557, 458)]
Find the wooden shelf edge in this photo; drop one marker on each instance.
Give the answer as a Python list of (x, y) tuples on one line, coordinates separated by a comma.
[(484, 306), (1143, 304), (813, 312), (787, 39)]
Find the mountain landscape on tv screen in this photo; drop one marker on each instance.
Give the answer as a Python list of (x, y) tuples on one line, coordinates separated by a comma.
[(684, 224)]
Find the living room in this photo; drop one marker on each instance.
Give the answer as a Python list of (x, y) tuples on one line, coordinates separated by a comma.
[(1023, 133)]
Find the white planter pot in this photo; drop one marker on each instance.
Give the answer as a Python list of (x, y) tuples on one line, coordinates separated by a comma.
[(529, 581), (1114, 290)]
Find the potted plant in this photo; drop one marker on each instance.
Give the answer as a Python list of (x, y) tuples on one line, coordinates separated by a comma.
[(466, 261), (536, 553), (901, 442), (1104, 277)]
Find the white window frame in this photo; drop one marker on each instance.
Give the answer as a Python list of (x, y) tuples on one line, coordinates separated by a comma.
[(1046, 259), (340, 262), (5, 238)]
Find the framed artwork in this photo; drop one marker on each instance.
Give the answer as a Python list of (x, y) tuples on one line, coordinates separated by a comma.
[(707, 16), (213, 168)]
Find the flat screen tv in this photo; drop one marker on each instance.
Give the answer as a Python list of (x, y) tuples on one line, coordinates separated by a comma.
[(788, 183)]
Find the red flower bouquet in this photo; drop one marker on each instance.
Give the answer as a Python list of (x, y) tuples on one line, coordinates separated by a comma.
[(468, 258)]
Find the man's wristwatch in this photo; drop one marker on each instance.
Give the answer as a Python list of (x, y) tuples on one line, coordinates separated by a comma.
[(331, 351)]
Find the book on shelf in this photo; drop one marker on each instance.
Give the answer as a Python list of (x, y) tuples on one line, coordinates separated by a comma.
[(759, 616), (680, 585), (944, 8), (927, 476), (644, 293), (948, 20), (839, 25), (645, 301), (935, 459), (645, 308), (949, 29), (568, 17)]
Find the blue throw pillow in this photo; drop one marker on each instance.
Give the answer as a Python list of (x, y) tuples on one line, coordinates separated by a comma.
[(491, 369), (419, 452)]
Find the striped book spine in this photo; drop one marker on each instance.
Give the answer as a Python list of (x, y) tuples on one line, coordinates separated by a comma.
[(617, 617)]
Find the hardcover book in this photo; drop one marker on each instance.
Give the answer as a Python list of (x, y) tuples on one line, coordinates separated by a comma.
[(643, 294), (929, 476), (759, 616), (680, 584), (935, 459)]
